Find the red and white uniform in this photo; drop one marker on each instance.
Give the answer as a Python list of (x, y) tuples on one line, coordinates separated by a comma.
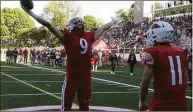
[(78, 76), (95, 60), (169, 85)]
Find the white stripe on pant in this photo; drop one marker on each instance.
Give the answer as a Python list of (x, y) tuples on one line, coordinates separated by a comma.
[(63, 95)]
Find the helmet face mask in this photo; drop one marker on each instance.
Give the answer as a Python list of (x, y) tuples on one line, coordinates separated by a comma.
[(75, 23), (159, 32)]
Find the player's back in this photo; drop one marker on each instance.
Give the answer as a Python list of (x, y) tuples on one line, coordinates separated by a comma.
[(169, 71)]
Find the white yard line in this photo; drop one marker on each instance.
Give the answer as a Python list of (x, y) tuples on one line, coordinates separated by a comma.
[(37, 74), (47, 85), (31, 81), (127, 76), (38, 94), (104, 82), (113, 84), (32, 86), (128, 85), (122, 86)]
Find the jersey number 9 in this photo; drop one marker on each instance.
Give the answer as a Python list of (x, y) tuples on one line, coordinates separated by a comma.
[(83, 45)]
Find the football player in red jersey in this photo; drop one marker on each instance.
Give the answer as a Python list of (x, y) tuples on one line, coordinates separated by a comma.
[(166, 64), (78, 45)]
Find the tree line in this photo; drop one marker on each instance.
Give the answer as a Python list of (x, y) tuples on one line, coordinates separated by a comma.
[(19, 29)]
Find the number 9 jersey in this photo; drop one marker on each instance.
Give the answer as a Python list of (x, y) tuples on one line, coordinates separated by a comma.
[(79, 53), (169, 67)]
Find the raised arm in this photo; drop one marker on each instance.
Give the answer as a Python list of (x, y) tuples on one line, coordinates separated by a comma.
[(53, 29), (100, 31)]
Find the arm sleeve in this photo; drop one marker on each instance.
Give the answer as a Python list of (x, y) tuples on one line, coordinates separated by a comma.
[(92, 36), (66, 36), (147, 59)]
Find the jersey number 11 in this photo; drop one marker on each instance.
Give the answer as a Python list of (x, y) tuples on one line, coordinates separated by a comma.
[(173, 72)]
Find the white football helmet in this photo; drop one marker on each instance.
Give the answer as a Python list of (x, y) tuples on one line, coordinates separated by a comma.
[(161, 32), (74, 22)]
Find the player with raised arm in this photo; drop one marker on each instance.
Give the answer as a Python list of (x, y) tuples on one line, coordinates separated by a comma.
[(78, 45), (166, 64)]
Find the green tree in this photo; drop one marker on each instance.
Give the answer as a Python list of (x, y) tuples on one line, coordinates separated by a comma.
[(126, 15), (157, 5), (14, 22), (131, 14), (59, 12), (91, 22), (38, 37), (123, 15)]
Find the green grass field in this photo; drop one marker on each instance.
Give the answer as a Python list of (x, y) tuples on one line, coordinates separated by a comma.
[(27, 86)]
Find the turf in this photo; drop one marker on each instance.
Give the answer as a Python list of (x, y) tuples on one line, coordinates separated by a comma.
[(51, 81)]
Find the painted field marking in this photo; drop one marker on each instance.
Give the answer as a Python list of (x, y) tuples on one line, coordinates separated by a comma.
[(37, 74), (113, 84), (103, 82), (122, 86), (47, 85), (37, 94), (32, 86), (23, 70), (30, 81), (11, 67), (127, 76), (128, 85)]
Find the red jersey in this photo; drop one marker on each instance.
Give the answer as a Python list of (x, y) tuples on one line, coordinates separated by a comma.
[(25, 52), (169, 64), (79, 52), (63, 53), (95, 59)]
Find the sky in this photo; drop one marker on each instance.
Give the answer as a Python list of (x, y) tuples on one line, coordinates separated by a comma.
[(103, 10)]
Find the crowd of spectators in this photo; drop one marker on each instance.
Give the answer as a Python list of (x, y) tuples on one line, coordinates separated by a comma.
[(126, 33), (46, 56)]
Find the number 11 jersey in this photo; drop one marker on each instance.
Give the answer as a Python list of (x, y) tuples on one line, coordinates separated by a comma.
[(169, 64)]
